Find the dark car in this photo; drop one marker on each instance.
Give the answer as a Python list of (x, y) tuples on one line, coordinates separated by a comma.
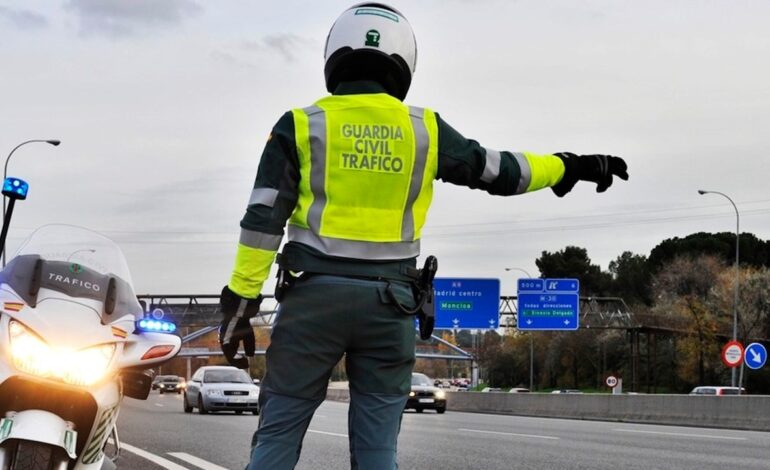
[(425, 396), (169, 383)]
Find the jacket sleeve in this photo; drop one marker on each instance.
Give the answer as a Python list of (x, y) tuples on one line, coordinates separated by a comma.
[(465, 162), (271, 203)]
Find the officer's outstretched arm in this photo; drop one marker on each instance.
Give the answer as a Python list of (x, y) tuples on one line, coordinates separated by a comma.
[(465, 162)]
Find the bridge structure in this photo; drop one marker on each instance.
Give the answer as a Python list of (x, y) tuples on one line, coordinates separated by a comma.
[(198, 315)]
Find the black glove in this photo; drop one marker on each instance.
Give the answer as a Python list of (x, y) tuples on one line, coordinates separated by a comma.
[(596, 168), (235, 327)]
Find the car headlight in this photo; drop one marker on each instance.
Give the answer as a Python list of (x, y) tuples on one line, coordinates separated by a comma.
[(32, 355), (212, 392), (254, 393), (411, 394), (440, 394)]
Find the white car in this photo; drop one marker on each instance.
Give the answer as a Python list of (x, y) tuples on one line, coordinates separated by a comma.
[(717, 390), (221, 388)]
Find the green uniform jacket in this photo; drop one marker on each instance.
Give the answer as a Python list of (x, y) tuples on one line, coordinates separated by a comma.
[(461, 161)]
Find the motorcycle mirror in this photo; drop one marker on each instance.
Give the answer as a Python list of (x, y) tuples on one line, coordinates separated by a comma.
[(136, 383), (109, 302), (34, 285)]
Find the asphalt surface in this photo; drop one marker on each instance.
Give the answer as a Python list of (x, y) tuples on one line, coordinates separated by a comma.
[(158, 428)]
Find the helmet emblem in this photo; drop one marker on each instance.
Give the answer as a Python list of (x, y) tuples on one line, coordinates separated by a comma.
[(76, 268), (372, 38)]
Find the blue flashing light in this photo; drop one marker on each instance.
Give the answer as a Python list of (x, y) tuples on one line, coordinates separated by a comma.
[(15, 188), (156, 326)]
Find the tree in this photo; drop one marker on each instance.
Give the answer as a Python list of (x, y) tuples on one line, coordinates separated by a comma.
[(632, 278), (685, 289), (754, 251), (753, 304), (573, 262)]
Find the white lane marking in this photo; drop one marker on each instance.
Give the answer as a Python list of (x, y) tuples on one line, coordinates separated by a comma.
[(327, 433), (165, 463), (159, 404), (200, 463), (509, 434), (681, 434), (319, 416)]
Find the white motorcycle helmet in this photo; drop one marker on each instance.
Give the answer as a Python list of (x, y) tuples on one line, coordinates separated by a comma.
[(371, 41)]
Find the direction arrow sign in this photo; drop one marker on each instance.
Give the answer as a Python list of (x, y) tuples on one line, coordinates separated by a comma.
[(548, 304), (732, 354), (756, 356)]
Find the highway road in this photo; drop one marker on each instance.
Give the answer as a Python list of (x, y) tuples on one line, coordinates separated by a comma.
[(157, 434)]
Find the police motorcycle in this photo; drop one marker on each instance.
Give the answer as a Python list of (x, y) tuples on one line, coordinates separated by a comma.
[(73, 342)]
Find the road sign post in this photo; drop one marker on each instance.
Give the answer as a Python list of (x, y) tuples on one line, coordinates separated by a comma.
[(548, 304)]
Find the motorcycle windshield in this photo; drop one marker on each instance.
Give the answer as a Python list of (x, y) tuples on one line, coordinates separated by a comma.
[(77, 262)]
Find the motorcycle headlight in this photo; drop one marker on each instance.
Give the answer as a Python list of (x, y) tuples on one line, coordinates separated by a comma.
[(32, 355)]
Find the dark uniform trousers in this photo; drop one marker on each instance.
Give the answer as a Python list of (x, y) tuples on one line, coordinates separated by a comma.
[(320, 319)]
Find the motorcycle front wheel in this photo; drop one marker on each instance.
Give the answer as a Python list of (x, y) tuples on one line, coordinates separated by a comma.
[(30, 455)]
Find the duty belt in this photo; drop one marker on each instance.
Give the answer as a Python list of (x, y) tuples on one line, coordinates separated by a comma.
[(421, 280)]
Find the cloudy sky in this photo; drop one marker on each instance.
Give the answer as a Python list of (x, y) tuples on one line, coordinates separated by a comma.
[(163, 108)]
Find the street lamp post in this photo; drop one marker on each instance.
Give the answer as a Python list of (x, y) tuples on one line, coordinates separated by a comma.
[(531, 343), (737, 270), (53, 142)]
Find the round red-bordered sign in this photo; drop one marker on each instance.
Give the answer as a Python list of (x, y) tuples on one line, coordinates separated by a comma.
[(732, 354), (611, 381)]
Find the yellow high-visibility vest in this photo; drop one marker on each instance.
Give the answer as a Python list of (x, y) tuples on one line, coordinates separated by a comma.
[(367, 166)]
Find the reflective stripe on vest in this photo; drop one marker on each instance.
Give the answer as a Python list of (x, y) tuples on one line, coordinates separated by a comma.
[(367, 165)]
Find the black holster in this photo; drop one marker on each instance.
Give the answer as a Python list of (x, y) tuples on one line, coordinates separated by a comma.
[(422, 289), (284, 282)]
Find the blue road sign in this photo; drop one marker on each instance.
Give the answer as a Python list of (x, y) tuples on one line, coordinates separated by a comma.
[(548, 304), (755, 356), (467, 303)]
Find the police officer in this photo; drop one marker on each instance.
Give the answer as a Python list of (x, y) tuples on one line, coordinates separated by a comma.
[(353, 176)]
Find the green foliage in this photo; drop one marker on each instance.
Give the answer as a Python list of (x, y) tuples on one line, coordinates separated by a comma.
[(631, 279), (753, 251), (685, 284), (573, 261)]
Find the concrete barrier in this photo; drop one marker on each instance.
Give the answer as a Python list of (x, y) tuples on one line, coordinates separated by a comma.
[(338, 394), (733, 412)]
